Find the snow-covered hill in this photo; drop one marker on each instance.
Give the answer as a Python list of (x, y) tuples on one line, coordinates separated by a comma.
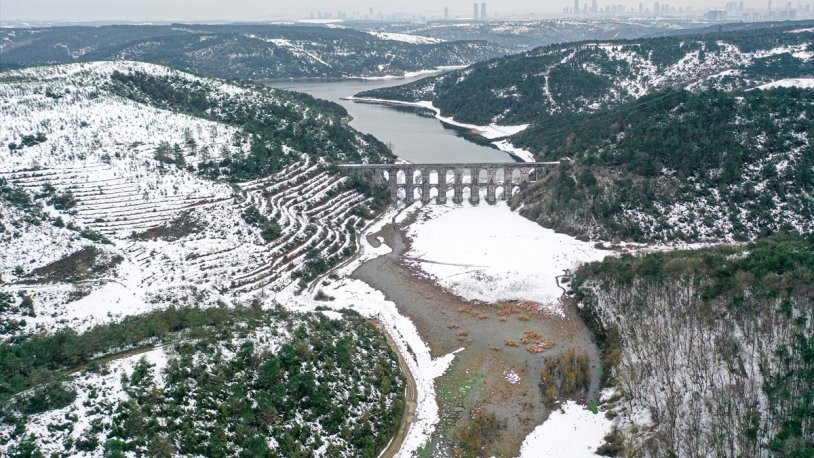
[(707, 351), (83, 166), (714, 160), (591, 76), (244, 51)]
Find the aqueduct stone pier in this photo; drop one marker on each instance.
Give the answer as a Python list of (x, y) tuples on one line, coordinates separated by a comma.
[(492, 181)]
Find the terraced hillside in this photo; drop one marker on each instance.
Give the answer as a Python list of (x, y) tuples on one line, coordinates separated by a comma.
[(242, 51), (229, 247), (152, 222), (196, 206), (590, 76)]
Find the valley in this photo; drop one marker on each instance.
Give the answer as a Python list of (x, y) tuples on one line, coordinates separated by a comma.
[(186, 271)]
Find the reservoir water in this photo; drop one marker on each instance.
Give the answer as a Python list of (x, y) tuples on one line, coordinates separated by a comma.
[(415, 138)]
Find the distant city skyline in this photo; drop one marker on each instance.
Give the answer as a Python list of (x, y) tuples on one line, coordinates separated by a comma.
[(257, 10)]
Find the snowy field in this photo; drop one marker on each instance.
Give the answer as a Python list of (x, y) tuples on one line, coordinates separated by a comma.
[(494, 254), (406, 38), (571, 432)]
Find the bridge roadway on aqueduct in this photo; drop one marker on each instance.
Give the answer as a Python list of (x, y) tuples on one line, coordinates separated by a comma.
[(409, 182)]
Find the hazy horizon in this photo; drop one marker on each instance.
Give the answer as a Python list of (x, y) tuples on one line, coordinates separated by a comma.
[(256, 10)]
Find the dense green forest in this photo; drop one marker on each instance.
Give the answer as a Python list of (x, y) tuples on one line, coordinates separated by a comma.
[(262, 383), (560, 79), (239, 51), (715, 345), (271, 120), (679, 165)]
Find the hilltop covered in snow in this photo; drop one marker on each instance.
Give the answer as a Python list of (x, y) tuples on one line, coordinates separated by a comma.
[(591, 76), (243, 51), (117, 198), (710, 166)]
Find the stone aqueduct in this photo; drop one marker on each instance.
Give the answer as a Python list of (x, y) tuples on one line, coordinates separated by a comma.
[(411, 182)]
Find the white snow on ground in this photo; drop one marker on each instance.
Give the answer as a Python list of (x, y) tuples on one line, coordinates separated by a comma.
[(511, 377), (805, 83), (101, 148), (359, 296), (493, 254), (106, 389), (506, 146), (406, 38), (572, 431), (425, 72)]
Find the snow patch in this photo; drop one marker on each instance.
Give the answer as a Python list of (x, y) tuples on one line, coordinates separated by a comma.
[(520, 153), (406, 38), (572, 431), (494, 254), (805, 83)]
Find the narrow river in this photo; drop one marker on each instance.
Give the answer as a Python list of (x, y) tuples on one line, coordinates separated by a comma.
[(415, 138)]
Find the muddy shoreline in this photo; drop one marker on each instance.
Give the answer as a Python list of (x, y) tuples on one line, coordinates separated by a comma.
[(488, 376)]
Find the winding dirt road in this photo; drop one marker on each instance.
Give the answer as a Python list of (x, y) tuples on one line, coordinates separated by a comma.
[(410, 400)]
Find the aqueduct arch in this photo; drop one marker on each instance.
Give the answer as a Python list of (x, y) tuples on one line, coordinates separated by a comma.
[(409, 182)]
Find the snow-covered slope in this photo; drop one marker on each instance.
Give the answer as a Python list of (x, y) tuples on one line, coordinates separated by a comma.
[(706, 350), (178, 236), (590, 76), (805, 83)]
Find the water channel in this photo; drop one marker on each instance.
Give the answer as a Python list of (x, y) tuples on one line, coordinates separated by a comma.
[(418, 139)]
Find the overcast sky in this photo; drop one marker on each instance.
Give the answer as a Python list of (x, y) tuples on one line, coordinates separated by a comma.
[(191, 10)]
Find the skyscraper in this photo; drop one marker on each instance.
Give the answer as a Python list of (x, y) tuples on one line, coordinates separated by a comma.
[(446, 12), (594, 7), (475, 12), (576, 7), (483, 11)]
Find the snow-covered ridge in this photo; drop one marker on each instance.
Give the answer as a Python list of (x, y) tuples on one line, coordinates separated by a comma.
[(623, 71), (406, 38), (90, 72), (248, 52)]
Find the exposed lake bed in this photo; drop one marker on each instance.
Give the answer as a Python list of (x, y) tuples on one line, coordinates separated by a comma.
[(498, 371)]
